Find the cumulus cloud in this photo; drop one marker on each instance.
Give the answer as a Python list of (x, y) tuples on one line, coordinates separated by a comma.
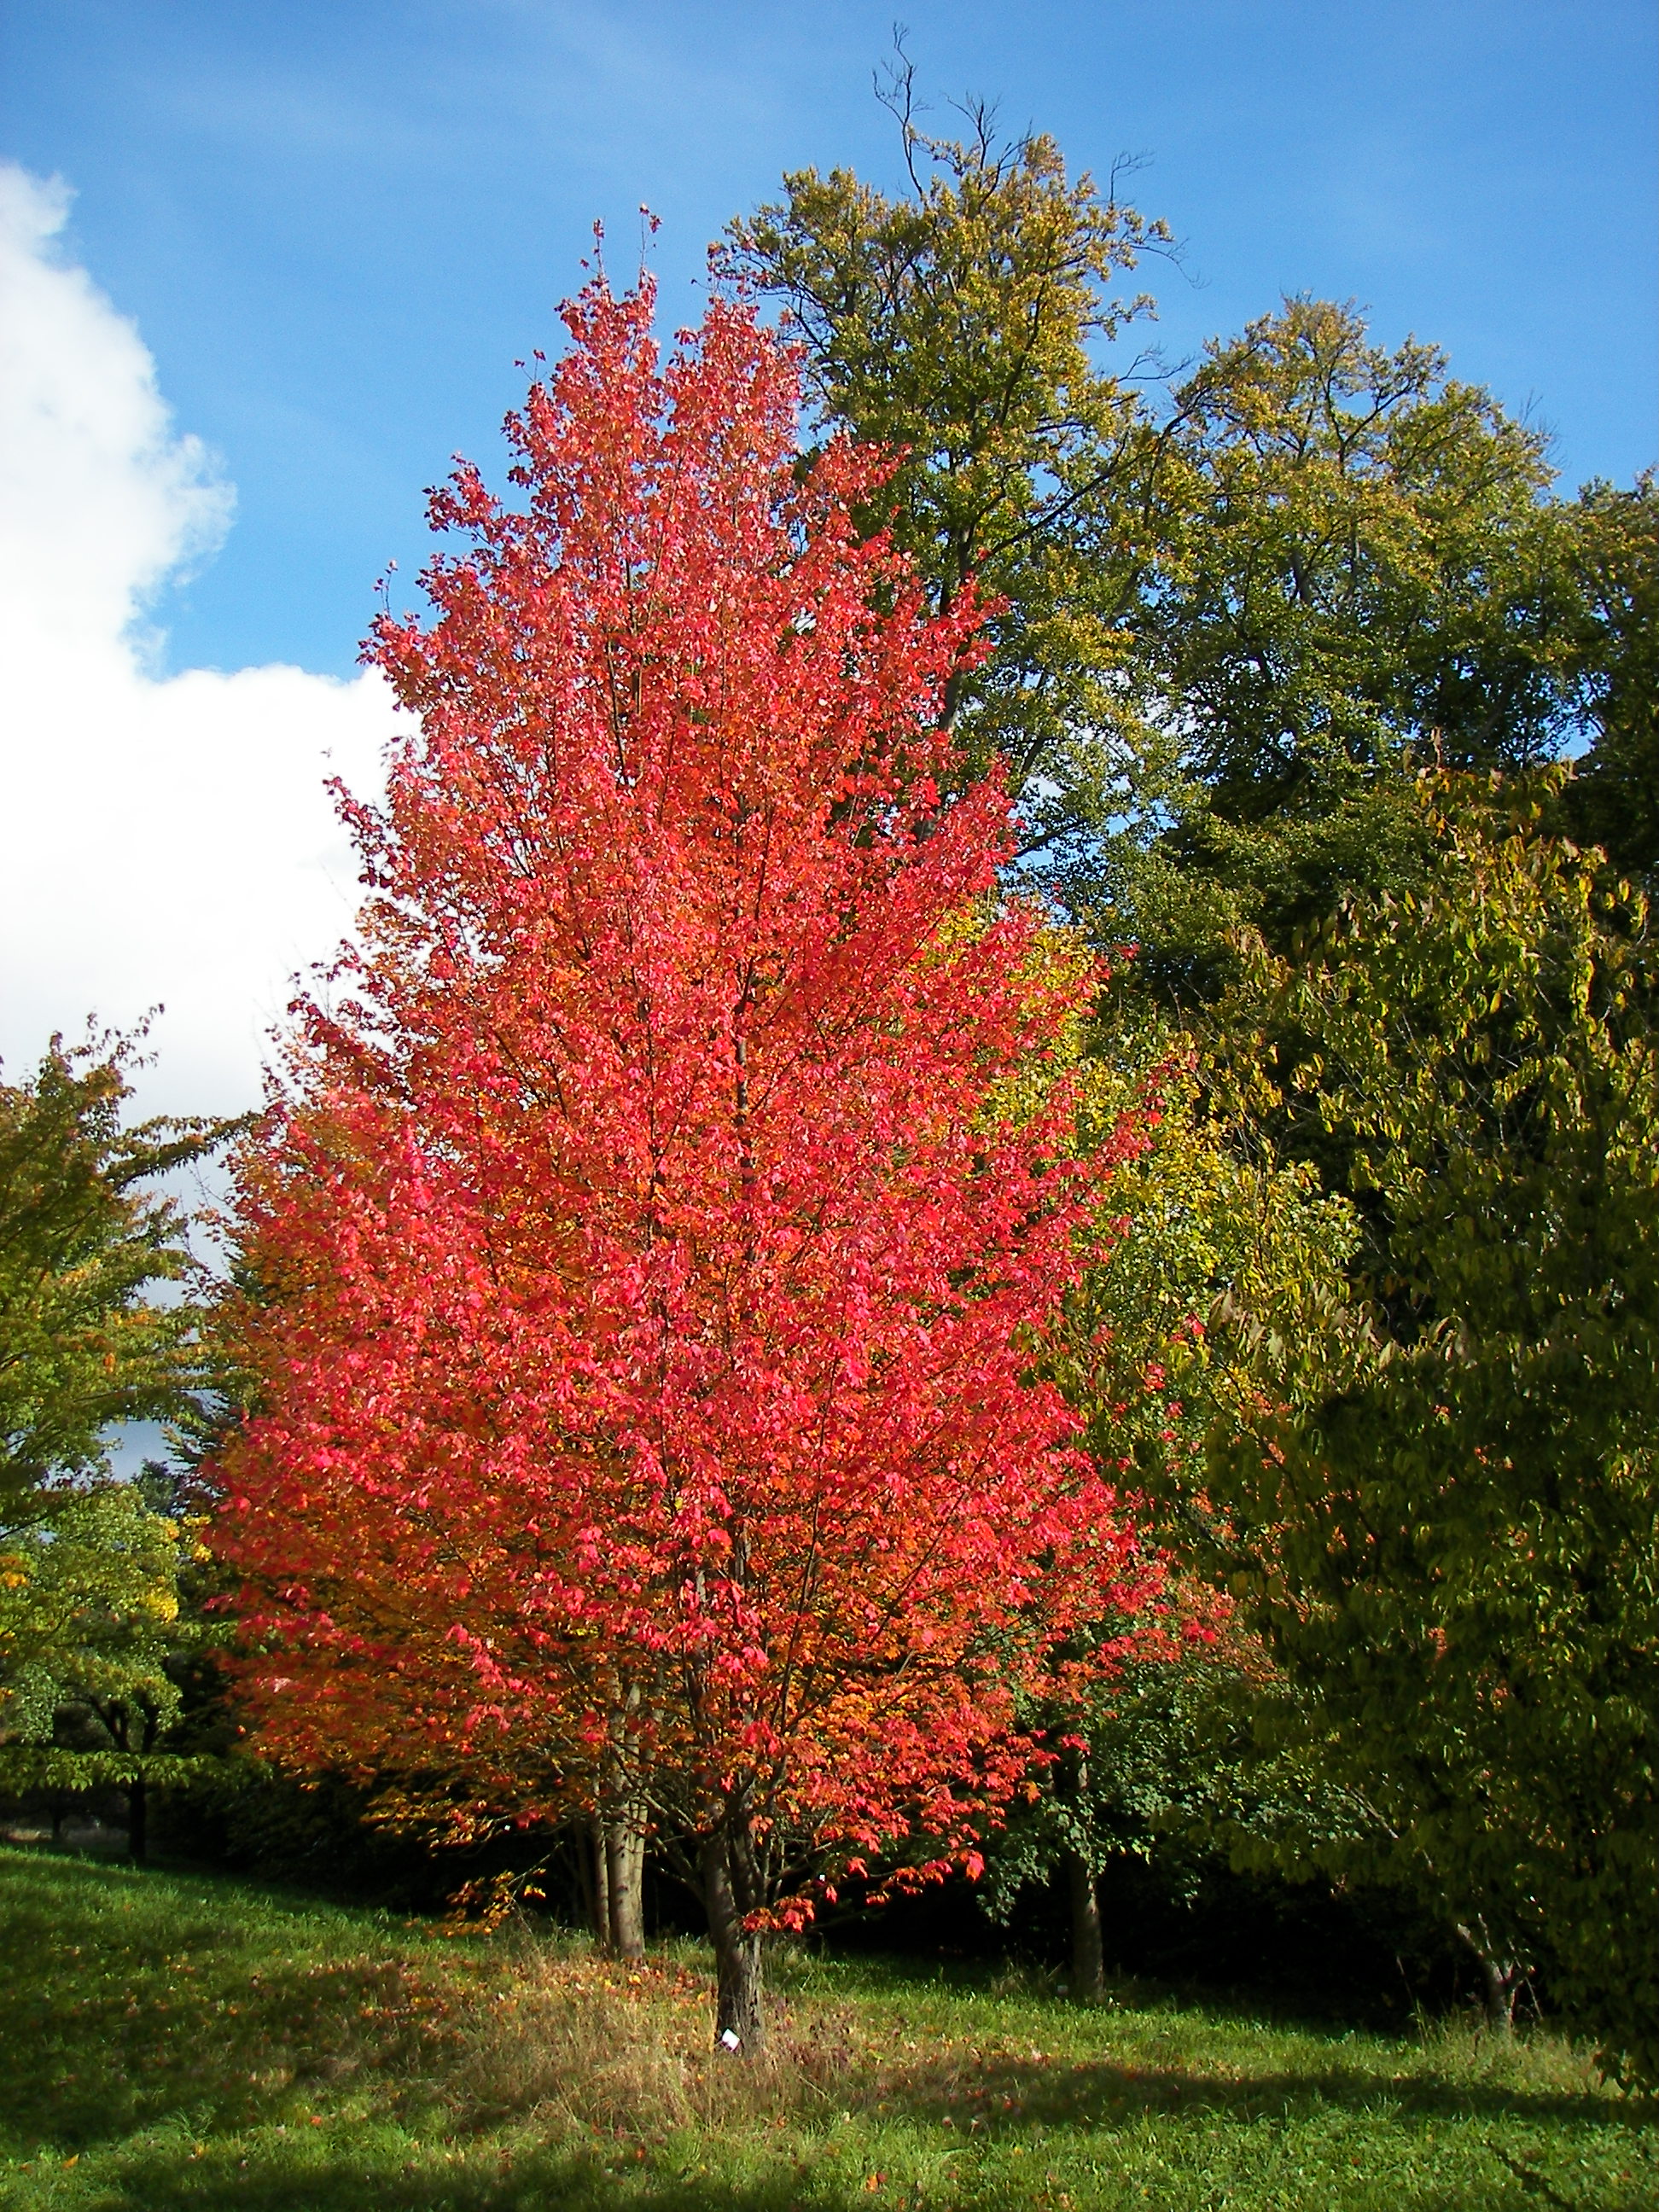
[(163, 840)]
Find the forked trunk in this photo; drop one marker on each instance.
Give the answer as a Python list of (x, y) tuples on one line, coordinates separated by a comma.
[(739, 2018), (1087, 1951), (1500, 1978)]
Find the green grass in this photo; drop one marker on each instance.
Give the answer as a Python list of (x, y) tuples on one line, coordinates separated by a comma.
[(176, 2041)]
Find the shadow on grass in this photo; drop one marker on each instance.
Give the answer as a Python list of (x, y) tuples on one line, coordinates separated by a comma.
[(169, 2178), (1009, 2093), (127, 2008), (1008, 2097), (174, 2180), (336, 2180)]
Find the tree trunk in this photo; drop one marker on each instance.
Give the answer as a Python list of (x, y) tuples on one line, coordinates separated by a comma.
[(625, 1851), (739, 2021), (138, 1819), (598, 1882), (1088, 1953), (1500, 1979)]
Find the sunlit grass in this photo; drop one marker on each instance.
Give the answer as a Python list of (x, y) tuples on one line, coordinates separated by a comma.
[(177, 2040)]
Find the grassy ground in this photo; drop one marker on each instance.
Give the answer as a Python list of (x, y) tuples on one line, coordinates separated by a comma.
[(179, 2041)]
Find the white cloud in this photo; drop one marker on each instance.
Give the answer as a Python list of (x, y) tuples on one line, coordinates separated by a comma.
[(166, 840)]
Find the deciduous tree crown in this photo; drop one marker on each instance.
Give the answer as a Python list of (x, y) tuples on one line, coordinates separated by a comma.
[(652, 1249)]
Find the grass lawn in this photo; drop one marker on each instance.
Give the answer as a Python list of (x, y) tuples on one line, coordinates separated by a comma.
[(177, 2040)]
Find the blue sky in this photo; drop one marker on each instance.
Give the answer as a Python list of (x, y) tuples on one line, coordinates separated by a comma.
[(336, 224)]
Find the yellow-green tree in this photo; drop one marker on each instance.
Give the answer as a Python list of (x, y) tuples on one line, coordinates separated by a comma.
[(95, 1630), (1238, 612), (94, 1333), (90, 1335), (958, 323)]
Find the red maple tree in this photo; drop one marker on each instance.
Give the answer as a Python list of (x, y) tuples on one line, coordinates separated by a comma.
[(646, 1261)]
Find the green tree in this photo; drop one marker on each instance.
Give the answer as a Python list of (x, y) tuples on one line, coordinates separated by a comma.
[(1444, 1515), (1194, 1760), (1205, 1233), (1356, 573), (1614, 800)]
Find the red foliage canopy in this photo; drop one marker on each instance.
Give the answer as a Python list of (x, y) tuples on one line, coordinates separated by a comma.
[(649, 1257)]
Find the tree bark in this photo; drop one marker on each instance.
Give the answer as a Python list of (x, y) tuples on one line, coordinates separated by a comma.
[(1500, 1979), (598, 1882), (737, 2004), (625, 1851), (1088, 1950)]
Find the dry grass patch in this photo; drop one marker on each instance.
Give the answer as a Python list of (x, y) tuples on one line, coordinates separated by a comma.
[(573, 2040)]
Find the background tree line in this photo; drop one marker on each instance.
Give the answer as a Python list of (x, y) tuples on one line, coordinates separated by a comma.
[(1311, 688), (1308, 684)]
